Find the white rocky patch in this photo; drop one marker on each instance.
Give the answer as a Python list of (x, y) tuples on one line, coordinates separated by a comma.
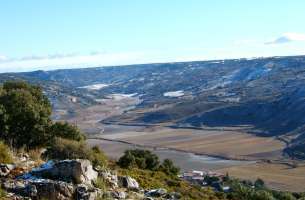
[(232, 99), (119, 96), (178, 93), (95, 86)]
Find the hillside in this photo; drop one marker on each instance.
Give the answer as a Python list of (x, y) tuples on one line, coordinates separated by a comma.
[(266, 94)]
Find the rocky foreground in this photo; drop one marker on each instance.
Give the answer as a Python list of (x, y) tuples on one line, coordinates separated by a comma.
[(71, 179)]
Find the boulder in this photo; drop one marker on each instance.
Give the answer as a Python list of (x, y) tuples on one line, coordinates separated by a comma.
[(5, 169), (49, 189), (173, 196), (118, 195), (77, 171), (40, 189), (14, 186), (156, 193), (110, 177), (85, 192), (128, 182)]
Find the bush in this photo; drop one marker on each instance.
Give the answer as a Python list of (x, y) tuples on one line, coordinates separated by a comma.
[(35, 154), (127, 160), (259, 183), (284, 196), (169, 168), (97, 157), (100, 183), (67, 131), (71, 149), (3, 193), (142, 159), (5, 154), (262, 195), (67, 149)]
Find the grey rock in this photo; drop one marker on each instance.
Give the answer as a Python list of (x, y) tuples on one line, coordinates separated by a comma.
[(118, 195), (40, 189), (156, 192), (77, 171), (148, 198), (128, 182), (173, 196), (111, 178), (5, 169), (14, 186), (85, 192), (49, 189)]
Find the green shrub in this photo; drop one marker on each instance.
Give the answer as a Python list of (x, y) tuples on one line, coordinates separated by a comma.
[(97, 157), (100, 183), (70, 149), (67, 131), (67, 149), (169, 168), (262, 195), (127, 160), (5, 153), (259, 183), (2, 193), (142, 159), (284, 196)]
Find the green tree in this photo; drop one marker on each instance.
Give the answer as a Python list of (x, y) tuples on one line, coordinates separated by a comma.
[(24, 115)]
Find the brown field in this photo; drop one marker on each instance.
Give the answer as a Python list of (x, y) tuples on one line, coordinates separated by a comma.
[(276, 176), (230, 143), (227, 142)]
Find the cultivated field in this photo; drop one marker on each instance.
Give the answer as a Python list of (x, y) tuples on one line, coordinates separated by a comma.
[(277, 176), (225, 142)]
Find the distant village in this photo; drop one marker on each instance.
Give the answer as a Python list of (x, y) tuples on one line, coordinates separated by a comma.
[(206, 178)]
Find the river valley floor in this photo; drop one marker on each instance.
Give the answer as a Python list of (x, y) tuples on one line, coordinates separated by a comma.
[(223, 149)]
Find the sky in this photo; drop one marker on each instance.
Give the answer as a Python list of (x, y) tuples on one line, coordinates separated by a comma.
[(56, 34)]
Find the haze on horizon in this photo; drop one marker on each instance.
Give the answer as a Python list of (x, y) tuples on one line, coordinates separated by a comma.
[(58, 34)]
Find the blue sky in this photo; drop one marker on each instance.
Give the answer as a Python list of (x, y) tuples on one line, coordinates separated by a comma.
[(54, 34)]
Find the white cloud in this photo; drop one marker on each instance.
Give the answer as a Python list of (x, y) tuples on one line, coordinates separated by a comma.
[(287, 37), (63, 61), (3, 58)]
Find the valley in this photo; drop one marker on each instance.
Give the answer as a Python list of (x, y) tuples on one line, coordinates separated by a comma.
[(241, 116)]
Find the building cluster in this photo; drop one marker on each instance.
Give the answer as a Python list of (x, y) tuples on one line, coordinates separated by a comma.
[(206, 178)]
